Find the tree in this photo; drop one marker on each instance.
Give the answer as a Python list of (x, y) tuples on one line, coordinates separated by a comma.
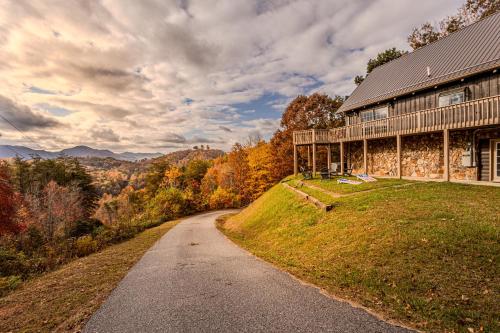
[(470, 12), (422, 36), (195, 170), (358, 79), (155, 176), (32, 178), (173, 177), (382, 58), (9, 201), (316, 111), (60, 208), (260, 165)]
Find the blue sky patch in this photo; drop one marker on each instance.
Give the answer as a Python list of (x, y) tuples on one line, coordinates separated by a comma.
[(37, 90), (54, 110)]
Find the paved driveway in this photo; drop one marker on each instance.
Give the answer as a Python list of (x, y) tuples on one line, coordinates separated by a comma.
[(195, 280)]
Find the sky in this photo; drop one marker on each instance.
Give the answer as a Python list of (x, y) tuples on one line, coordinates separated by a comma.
[(157, 76)]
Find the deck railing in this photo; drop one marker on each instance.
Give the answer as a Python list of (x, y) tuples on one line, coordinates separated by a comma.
[(476, 113)]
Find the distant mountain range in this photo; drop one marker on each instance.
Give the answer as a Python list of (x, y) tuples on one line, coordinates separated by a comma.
[(78, 151)]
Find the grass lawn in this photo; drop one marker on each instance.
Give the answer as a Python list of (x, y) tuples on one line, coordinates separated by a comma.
[(332, 185), (427, 255), (63, 300)]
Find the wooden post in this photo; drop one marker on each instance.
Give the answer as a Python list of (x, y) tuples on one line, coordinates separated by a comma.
[(328, 156), (314, 159), (446, 155), (295, 161), (398, 152), (308, 156), (365, 155), (342, 158)]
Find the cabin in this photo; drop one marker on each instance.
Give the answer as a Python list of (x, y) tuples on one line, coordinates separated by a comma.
[(433, 113)]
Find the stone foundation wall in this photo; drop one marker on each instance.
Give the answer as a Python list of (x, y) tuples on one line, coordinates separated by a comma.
[(459, 142), (382, 157), (355, 157), (422, 156)]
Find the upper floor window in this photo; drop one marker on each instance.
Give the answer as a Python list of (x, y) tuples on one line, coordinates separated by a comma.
[(381, 113), (366, 115), (374, 114), (451, 98)]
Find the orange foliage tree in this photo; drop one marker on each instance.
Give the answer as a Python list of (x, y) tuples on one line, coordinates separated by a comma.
[(317, 111)]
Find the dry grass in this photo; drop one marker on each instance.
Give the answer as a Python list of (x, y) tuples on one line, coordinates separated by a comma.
[(426, 255), (63, 300)]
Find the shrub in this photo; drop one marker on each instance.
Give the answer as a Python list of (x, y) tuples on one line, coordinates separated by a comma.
[(167, 204), (85, 227), (221, 198), (85, 245), (12, 262), (9, 283)]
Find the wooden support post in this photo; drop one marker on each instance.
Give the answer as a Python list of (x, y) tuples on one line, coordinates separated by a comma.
[(308, 156), (295, 161), (314, 159), (328, 156), (446, 154), (365, 155), (398, 152), (342, 158)]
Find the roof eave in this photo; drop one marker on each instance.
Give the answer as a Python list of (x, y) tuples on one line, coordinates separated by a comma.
[(450, 77)]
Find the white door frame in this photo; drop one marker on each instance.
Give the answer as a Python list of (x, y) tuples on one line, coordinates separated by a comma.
[(494, 157)]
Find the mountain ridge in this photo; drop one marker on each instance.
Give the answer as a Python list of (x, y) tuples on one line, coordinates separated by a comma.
[(9, 151)]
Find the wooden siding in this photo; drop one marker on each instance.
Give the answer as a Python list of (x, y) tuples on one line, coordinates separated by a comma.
[(484, 160), (478, 87)]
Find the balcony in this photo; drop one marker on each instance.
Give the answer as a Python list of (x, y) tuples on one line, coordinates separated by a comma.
[(471, 114)]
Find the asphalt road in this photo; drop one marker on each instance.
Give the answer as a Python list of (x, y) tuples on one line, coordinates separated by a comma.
[(196, 280)]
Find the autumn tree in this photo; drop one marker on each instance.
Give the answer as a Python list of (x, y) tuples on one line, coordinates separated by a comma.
[(317, 111), (261, 174), (237, 161), (32, 177), (59, 209), (9, 201), (173, 177), (470, 12)]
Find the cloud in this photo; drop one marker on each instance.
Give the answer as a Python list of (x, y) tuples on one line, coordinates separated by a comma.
[(105, 134), (225, 129), (178, 72), (23, 118), (173, 138)]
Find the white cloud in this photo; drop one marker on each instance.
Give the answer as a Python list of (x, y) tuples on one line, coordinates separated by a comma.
[(139, 75)]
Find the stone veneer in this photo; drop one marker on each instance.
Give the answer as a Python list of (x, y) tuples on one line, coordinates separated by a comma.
[(459, 141), (422, 156)]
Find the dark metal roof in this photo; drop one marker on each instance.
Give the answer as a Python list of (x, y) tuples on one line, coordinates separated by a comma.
[(469, 51)]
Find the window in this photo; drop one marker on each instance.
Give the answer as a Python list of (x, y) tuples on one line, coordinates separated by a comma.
[(366, 115), (381, 113), (451, 98), (378, 113)]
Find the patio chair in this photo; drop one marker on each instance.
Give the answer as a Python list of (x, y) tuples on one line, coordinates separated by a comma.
[(307, 174), (347, 171), (334, 169)]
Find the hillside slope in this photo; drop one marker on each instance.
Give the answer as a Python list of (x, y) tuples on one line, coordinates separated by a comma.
[(183, 157), (426, 254)]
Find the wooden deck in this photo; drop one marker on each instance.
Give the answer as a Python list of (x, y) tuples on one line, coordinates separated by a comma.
[(471, 114)]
